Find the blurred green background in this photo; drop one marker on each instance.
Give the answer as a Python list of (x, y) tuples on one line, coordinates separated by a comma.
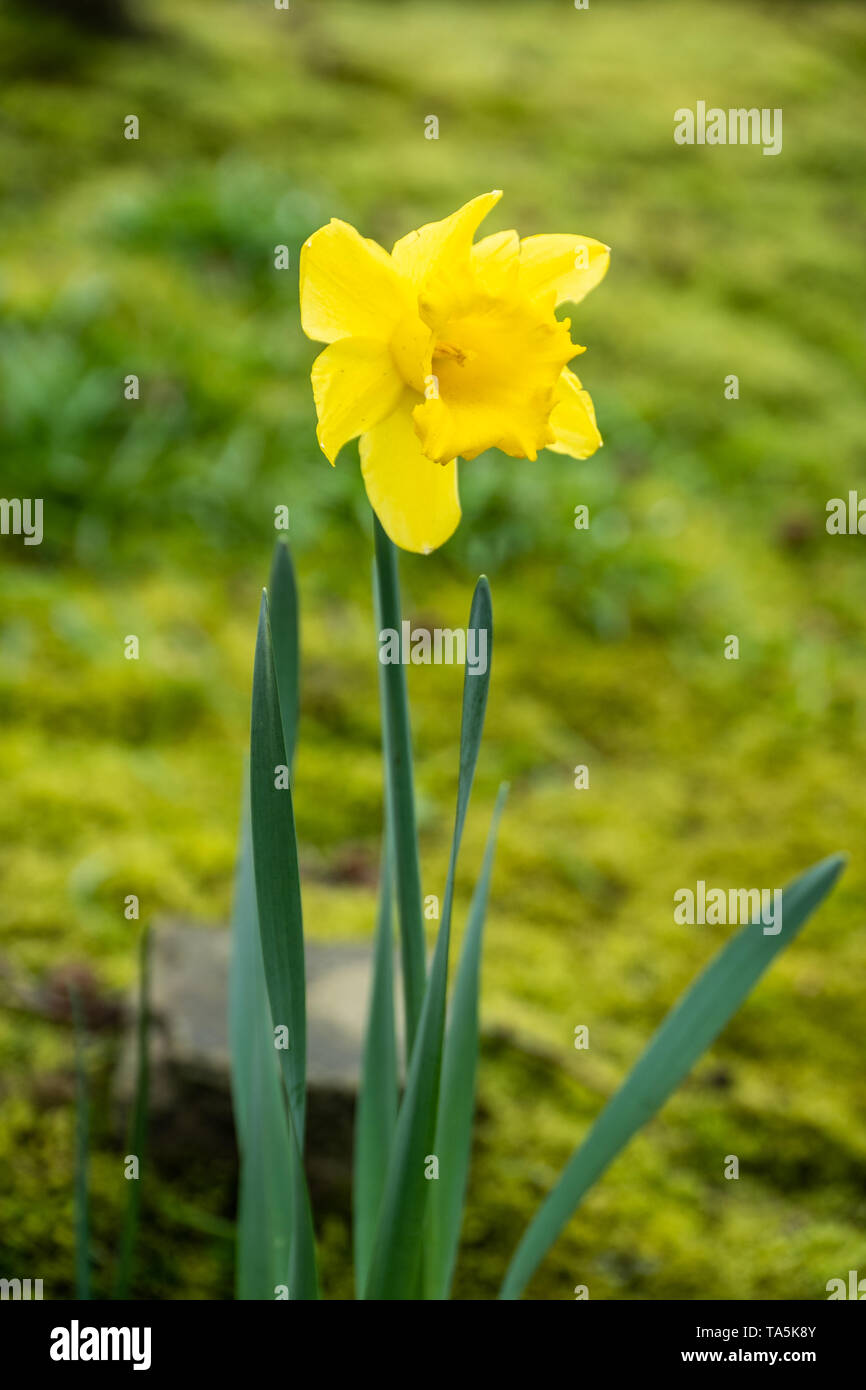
[(707, 519)]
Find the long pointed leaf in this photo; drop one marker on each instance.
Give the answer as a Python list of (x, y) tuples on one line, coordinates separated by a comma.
[(397, 743), (275, 858), (278, 902), (264, 1142), (303, 1279), (689, 1029), (396, 1260), (265, 1198), (285, 635), (376, 1116), (457, 1088)]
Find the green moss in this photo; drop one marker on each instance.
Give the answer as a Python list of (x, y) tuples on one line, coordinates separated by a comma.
[(707, 519)]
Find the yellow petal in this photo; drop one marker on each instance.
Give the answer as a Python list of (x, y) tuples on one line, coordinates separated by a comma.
[(411, 349), (414, 498), (495, 374), (496, 261), (572, 419), (489, 267), (562, 266), (417, 254), (349, 286), (437, 259), (355, 385)]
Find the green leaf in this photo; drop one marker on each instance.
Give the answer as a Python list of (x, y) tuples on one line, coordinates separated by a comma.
[(302, 1279), (264, 1143), (376, 1115), (137, 1138), (265, 1200), (278, 904), (396, 1260), (285, 635), (689, 1029), (457, 1088), (275, 859), (397, 743)]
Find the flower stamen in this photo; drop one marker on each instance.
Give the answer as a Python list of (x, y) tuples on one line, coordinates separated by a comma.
[(460, 356)]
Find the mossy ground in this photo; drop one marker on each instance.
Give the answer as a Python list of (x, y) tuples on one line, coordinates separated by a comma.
[(156, 257)]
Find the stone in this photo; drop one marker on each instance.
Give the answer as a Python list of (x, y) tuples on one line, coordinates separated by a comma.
[(190, 1076)]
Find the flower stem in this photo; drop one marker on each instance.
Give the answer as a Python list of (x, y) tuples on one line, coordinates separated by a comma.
[(397, 742)]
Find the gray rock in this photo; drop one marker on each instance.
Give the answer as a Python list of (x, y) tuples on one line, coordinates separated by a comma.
[(190, 1096)]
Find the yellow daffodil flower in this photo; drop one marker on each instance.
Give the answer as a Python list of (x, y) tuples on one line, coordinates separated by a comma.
[(441, 350)]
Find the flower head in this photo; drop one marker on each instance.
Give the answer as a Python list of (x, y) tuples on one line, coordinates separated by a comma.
[(443, 349)]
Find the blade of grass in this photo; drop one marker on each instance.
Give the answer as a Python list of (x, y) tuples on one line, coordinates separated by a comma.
[(275, 860), (278, 903), (457, 1088), (137, 1138), (264, 1144), (285, 635), (376, 1115), (397, 743), (689, 1029), (303, 1280), (396, 1259), (82, 1155), (265, 1200)]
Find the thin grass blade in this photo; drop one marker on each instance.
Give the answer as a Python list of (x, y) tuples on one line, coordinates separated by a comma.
[(376, 1115), (285, 635), (457, 1088), (303, 1279), (396, 1262), (265, 1201), (275, 860), (689, 1029), (397, 746), (278, 906)]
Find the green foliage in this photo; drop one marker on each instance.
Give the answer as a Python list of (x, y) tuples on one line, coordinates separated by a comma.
[(456, 1108), (275, 861), (265, 1155), (376, 1115), (278, 910), (691, 1027), (397, 751), (156, 257), (396, 1259), (405, 1236)]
